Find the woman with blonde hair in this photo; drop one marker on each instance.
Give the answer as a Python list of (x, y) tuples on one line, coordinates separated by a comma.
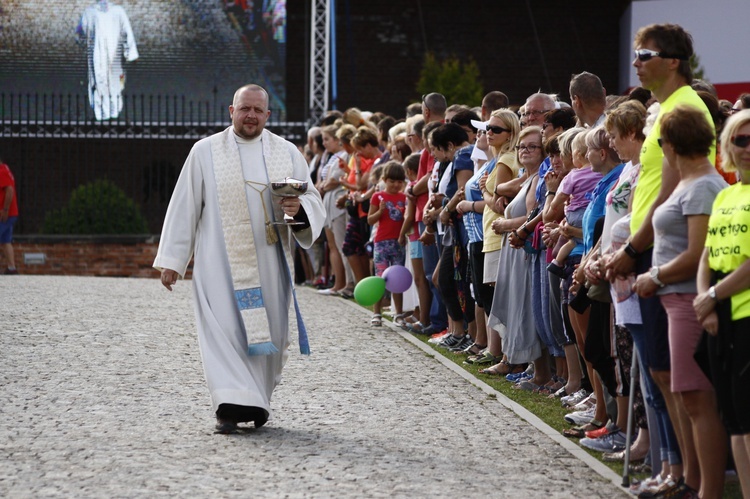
[(723, 301), (484, 207)]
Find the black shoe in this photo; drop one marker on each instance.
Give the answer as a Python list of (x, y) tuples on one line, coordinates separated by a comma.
[(226, 427), (260, 418), (554, 268), (242, 414)]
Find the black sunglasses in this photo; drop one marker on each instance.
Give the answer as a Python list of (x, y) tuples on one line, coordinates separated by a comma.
[(644, 55), (660, 142), (741, 140), (496, 129)]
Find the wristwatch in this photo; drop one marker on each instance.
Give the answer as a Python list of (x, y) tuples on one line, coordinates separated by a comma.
[(630, 251), (712, 293), (654, 273)]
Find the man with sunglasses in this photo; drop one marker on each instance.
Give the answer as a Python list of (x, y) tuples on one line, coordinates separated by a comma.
[(662, 54)]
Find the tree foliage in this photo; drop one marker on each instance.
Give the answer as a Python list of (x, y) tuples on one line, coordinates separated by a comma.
[(458, 81)]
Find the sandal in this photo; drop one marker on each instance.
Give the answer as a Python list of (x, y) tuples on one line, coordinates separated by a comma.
[(580, 431), (415, 327), (483, 358), (500, 369), (400, 321), (377, 320), (474, 349)]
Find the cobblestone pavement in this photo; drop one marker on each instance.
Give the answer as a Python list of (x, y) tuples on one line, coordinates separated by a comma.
[(102, 395)]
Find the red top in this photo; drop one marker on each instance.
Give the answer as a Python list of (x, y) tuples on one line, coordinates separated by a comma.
[(389, 225), (6, 179)]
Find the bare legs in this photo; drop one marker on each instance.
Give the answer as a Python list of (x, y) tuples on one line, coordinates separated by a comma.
[(337, 264), (10, 258)]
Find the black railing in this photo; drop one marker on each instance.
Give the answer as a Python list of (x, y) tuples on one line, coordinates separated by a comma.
[(140, 116)]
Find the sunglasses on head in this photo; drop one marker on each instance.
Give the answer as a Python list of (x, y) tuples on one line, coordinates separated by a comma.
[(741, 140), (496, 129), (644, 55)]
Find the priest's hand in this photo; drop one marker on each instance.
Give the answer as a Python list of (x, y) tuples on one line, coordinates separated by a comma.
[(290, 205), (168, 278)]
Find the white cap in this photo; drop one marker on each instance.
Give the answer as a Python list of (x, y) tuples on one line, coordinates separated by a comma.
[(479, 125)]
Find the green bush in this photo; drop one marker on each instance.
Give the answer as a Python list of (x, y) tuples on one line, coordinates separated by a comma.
[(457, 80), (99, 207)]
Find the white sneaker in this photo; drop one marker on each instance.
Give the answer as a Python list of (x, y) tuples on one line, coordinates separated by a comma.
[(572, 400), (586, 403), (580, 417)]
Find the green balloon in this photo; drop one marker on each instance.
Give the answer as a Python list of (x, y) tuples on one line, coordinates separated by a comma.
[(369, 290)]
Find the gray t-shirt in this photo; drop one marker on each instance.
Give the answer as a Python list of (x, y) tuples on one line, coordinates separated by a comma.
[(671, 225)]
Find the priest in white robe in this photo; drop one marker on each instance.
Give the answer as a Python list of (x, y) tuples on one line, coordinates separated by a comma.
[(109, 38), (221, 213)]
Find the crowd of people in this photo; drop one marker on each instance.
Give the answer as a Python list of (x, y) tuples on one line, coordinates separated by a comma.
[(562, 246)]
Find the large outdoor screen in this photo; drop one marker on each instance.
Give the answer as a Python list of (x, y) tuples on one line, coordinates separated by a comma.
[(139, 59)]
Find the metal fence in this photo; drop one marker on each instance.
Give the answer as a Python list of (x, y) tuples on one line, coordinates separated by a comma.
[(53, 144), (140, 116)]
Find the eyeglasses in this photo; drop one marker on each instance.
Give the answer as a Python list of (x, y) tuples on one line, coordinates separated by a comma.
[(741, 140), (497, 129), (660, 142), (644, 55), (529, 148), (534, 113)]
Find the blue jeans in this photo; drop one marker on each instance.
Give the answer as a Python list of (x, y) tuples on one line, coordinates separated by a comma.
[(430, 257), (670, 450), (540, 304)]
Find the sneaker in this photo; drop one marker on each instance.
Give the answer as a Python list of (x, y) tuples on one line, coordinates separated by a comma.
[(517, 377), (604, 430), (466, 343), (612, 442), (580, 417), (328, 291), (451, 341), (584, 404), (438, 337), (425, 331), (575, 398), (11, 271)]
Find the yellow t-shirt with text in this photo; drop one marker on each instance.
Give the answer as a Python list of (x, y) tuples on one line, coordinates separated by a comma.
[(728, 239)]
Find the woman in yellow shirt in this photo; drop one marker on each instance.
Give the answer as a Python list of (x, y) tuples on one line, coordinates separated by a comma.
[(723, 301)]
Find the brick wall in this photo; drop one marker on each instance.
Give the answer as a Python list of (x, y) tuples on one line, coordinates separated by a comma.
[(119, 256)]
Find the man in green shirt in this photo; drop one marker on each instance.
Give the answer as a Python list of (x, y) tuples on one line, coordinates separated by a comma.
[(662, 55)]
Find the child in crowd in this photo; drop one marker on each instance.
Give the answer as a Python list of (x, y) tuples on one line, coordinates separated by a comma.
[(410, 234), (576, 185), (387, 209)]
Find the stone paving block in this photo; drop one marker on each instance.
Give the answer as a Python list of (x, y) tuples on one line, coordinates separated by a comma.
[(102, 395)]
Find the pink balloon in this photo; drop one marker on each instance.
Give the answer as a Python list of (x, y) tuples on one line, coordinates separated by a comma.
[(398, 279)]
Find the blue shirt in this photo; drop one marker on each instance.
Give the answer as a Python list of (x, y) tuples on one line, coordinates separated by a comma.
[(472, 220), (541, 187), (598, 205)]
